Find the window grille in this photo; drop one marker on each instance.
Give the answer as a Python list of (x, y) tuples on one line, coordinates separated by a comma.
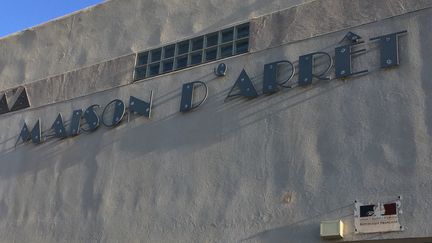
[(188, 53)]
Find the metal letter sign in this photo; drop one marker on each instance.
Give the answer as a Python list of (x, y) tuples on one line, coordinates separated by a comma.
[(343, 59), (141, 107), (389, 49), (58, 127), (220, 70), (91, 118), (4, 108), (22, 100), (76, 122), (18, 97), (389, 57), (25, 133), (306, 63), (351, 37), (34, 135), (119, 111), (270, 83), (245, 85), (186, 103)]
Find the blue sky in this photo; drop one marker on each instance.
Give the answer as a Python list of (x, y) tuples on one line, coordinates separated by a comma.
[(17, 15)]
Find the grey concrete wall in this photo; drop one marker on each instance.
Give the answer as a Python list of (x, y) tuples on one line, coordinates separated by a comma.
[(225, 172), (116, 28)]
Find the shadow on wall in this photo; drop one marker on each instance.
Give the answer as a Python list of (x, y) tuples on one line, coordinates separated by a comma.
[(213, 123), (289, 233), (308, 227), (216, 123)]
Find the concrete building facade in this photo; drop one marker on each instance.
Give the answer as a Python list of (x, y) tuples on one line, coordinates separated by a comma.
[(267, 168)]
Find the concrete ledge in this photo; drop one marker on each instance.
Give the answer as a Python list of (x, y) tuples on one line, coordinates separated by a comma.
[(82, 82)]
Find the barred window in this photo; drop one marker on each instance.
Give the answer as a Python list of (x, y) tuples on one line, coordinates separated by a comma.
[(188, 53)]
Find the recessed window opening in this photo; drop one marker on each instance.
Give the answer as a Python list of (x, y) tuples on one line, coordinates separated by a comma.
[(188, 53)]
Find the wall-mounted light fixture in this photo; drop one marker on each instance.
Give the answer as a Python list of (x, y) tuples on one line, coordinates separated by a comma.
[(330, 230)]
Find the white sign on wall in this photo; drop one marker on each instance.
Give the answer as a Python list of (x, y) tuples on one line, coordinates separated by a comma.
[(378, 217)]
